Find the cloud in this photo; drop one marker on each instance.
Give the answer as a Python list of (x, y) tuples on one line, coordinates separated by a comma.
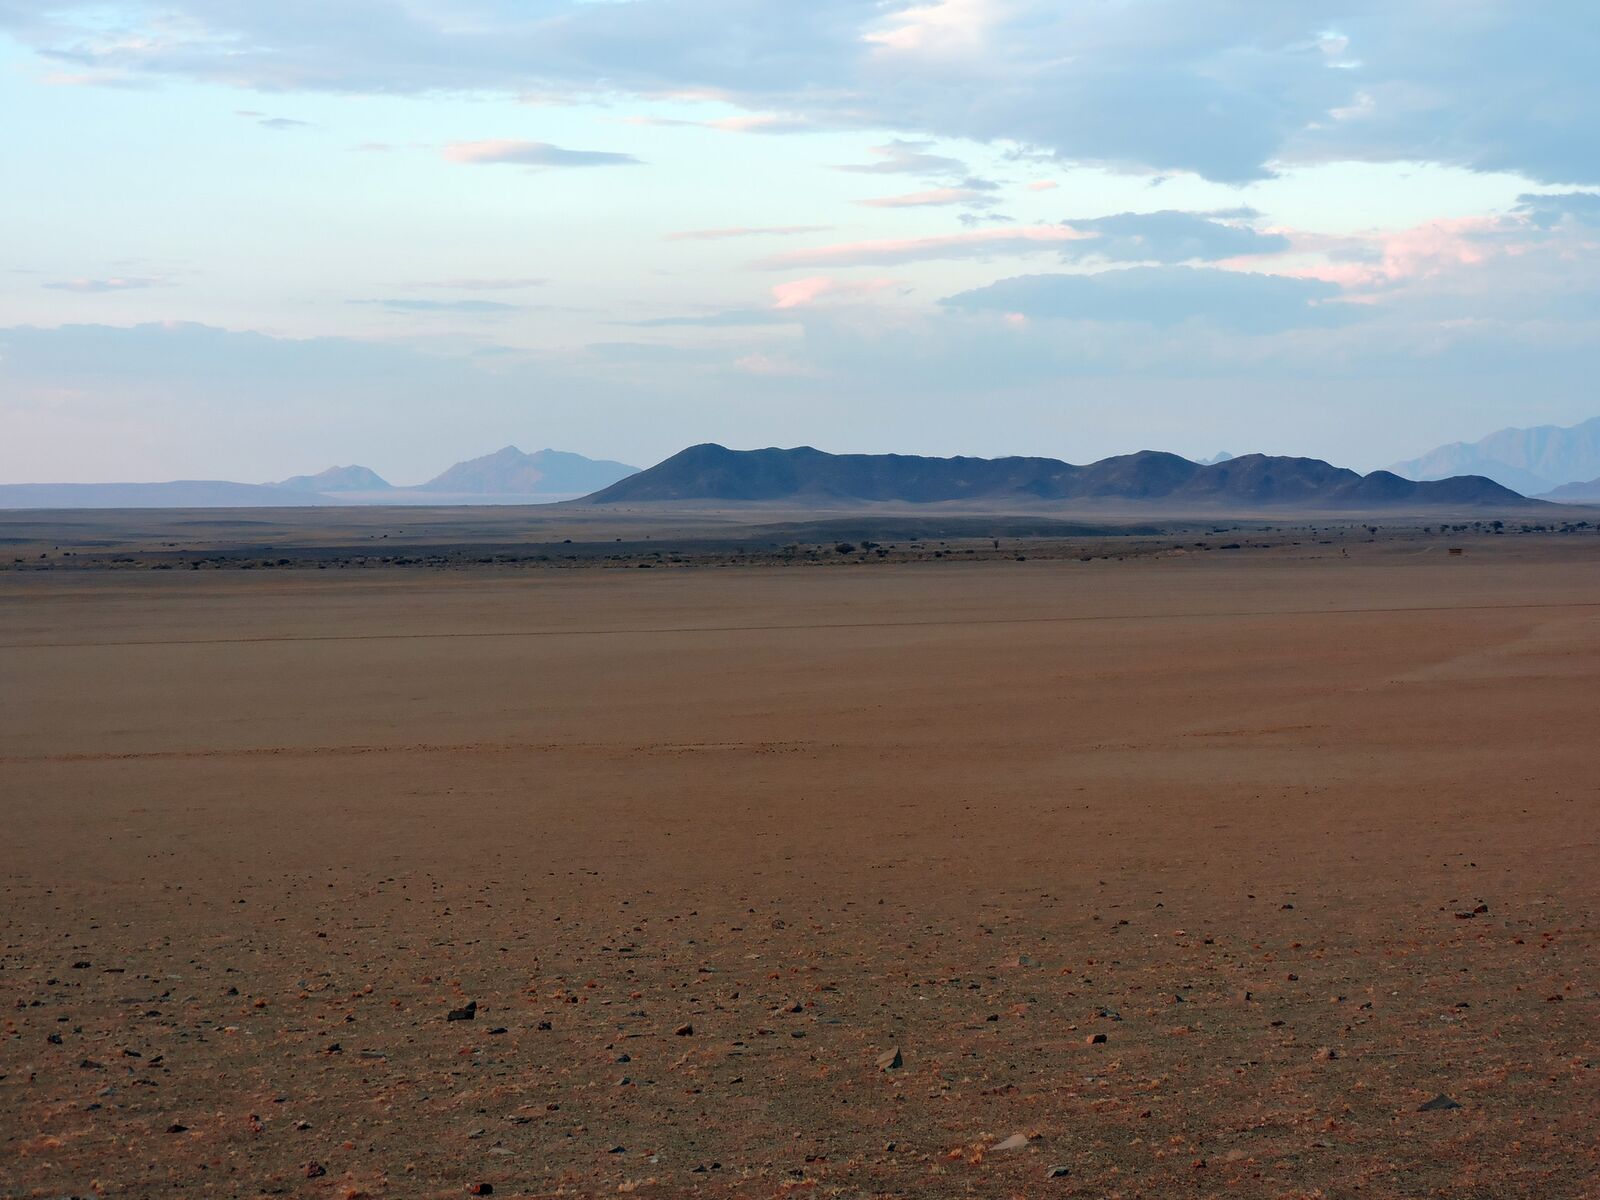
[(933, 198), (1165, 296), (940, 29), (473, 307), (1229, 90), (1547, 210), (1161, 237), (94, 286), (533, 154), (985, 243), (769, 123), (483, 285), (743, 231), (803, 293), (279, 124), (900, 157), (1043, 185), (1171, 237), (732, 318)]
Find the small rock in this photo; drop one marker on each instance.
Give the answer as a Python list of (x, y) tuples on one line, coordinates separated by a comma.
[(890, 1059), (1095, 1039), (684, 1030), (1327, 1054), (1015, 1142), (543, 1025), (315, 1170), (467, 1012), (176, 1128), (1057, 1173), (1440, 1103), (54, 1039), (481, 1189)]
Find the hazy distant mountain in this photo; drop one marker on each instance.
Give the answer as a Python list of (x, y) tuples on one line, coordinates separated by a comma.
[(338, 479), (711, 473), (181, 493), (1221, 456), (511, 472), (1531, 461), (506, 477), (1575, 493)]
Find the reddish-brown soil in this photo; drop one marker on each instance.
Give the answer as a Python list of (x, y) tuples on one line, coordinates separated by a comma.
[(1310, 839)]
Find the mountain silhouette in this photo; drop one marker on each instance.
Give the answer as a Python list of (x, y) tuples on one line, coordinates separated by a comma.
[(713, 473), (509, 471)]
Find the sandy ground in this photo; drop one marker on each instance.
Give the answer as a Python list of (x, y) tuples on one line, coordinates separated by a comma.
[(1310, 840)]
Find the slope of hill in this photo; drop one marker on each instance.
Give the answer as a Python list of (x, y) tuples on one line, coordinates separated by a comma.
[(1587, 492), (180, 493), (338, 479), (1531, 461), (712, 473), (510, 472)]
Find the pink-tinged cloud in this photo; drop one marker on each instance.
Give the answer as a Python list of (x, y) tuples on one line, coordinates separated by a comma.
[(1373, 262), (1043, 185), (740, 231), (757, 123), (532, 154), (940, 29), (891, 251), (802, 293), (932, 198)]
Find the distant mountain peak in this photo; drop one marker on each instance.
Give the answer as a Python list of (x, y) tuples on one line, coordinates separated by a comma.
[(1530, 460), (339, 479), (510, 472)]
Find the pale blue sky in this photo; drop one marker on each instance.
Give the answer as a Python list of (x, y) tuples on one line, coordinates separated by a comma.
[(248, 241)]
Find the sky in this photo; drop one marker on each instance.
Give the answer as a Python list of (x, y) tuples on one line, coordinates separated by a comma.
[(244, 240)]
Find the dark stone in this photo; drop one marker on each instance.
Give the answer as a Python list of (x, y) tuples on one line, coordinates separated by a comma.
[(467, 1012), (1440, 1103)]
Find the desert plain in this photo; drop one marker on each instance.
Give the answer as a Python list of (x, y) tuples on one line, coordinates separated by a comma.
[(1185, 872)]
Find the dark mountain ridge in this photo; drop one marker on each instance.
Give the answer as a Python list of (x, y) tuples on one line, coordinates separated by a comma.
[(713, 473)]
